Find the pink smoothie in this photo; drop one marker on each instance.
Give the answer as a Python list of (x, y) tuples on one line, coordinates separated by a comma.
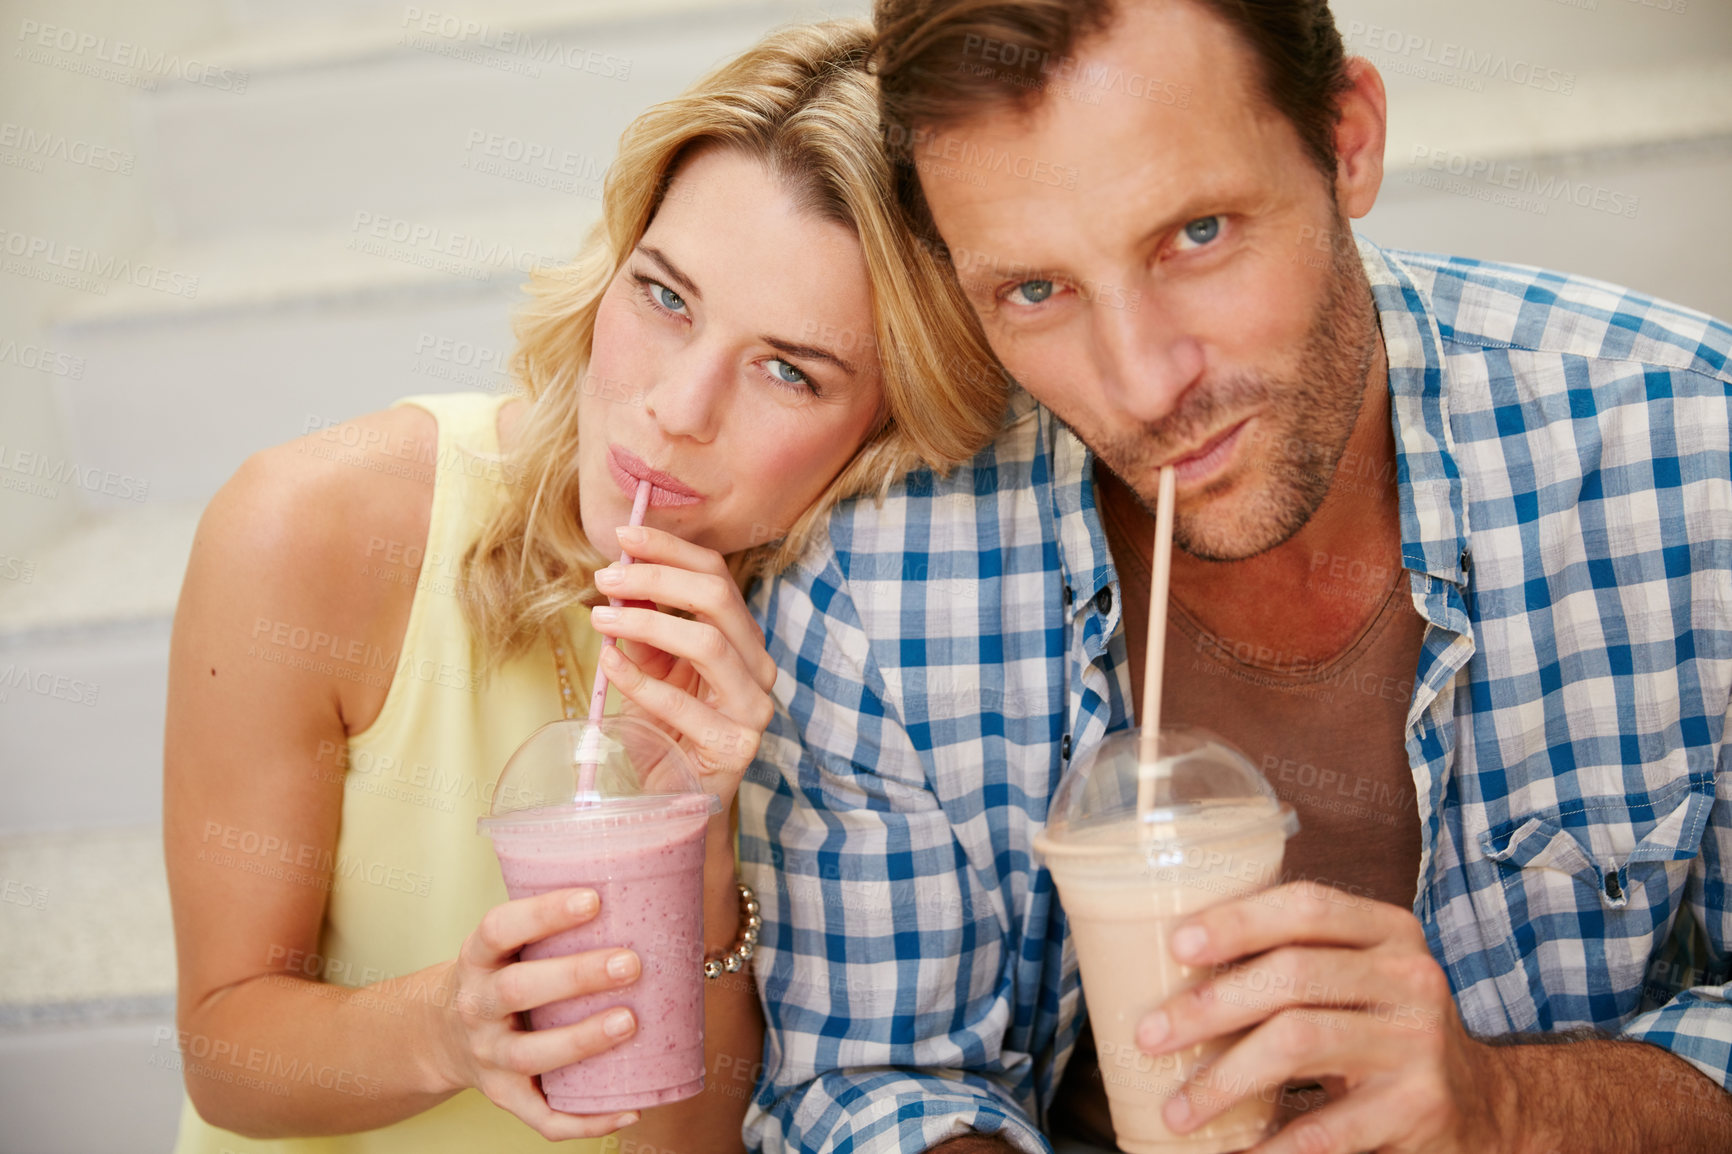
[(647, 863)]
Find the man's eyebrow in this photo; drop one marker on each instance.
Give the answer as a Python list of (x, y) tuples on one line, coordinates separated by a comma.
[(1215, 198), (811, 352), (680, 279), (980, 278)]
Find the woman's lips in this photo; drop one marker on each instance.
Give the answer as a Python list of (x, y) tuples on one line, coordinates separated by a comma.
[(627, 469), (1211, 458)]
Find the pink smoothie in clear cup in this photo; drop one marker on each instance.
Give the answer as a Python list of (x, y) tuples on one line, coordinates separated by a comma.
[(637, 839)]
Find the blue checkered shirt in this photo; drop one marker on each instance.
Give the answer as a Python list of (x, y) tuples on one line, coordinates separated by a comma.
[(1565, 478)]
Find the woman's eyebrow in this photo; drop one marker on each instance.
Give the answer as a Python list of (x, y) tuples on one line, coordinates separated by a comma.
[(791, 348), (680, 279), (811, 352)]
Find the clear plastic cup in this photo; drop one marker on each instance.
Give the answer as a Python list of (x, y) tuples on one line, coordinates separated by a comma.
[(636, 837), (1216, 832)]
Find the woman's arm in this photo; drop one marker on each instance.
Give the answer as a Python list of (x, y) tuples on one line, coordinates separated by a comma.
[(253, 799)]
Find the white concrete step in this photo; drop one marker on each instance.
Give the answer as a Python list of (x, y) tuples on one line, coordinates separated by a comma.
[(294, 330), (91, 1089), (370, 257), (469, 125), (110, 569), (81, 725), (84, 627), (428, 110), (1633, 217), (177, 400), (85, 931), (1494, 39), (319, 323), (87, 985), (1608, 111)]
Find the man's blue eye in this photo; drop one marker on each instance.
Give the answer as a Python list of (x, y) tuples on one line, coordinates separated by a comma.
[(1203, 230), (669, 299), (1034, 291)]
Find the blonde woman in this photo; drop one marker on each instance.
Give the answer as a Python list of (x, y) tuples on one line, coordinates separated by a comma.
[(376, 616)]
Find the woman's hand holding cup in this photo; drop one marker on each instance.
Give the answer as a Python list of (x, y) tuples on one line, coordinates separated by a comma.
[(488, 1046)]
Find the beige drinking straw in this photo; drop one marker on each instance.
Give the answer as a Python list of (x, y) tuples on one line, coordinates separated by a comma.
[(1154, 658)]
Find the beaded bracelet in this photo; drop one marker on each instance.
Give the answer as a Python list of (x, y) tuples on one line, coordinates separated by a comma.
[(746, 944)]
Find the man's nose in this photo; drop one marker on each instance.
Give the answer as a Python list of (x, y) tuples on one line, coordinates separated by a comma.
[(1146, 362), (689, 399)]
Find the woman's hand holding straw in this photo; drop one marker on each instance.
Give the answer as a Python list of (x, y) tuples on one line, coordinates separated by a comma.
[(695, 663)]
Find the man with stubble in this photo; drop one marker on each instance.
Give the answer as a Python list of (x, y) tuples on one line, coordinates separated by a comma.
[(1452, 568)]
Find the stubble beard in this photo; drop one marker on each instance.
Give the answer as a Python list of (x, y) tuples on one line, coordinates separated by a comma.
[(1288, 466)]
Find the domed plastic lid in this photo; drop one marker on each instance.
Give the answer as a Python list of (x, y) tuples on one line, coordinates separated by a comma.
[(633, 768), (1204, 790)]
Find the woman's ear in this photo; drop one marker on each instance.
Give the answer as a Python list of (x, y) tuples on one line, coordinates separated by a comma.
[(1359, 139)]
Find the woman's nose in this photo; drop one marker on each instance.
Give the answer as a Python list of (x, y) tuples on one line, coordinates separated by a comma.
[(691, 397)]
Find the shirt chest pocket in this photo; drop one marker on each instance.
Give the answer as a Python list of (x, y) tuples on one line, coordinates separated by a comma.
[(1611, 847), (1591, 895)]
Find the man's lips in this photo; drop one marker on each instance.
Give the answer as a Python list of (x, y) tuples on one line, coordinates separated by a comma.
[(1210, 457), (627, 469)]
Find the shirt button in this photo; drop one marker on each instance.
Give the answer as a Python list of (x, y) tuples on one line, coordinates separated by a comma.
[(1064, 748), (1104, 600)]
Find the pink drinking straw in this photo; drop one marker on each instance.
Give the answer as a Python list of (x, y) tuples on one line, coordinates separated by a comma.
[(589, 756)]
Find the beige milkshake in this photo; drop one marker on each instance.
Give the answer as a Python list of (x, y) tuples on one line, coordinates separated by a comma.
[(1126, 886)]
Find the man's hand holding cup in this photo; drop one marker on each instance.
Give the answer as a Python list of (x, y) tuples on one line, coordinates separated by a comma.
[(1336, 989)]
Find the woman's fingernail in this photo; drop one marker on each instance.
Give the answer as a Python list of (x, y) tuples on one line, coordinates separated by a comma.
[(1155, 1029), (617, 1024), (1178, 1111), (630, 534), (624, 1120), (608, 576), (582, 902), (622, 965), (1189, 942), (612, 659), (604, 613)]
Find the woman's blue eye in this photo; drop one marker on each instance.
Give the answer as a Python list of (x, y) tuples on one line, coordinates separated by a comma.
[(1034, 291), (669, 299), (787, 373), (1203, 229)]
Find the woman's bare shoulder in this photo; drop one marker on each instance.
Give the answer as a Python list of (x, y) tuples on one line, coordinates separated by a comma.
[(321, 497), (324, 533)]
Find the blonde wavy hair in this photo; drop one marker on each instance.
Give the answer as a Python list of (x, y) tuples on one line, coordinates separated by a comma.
[(802, 103)]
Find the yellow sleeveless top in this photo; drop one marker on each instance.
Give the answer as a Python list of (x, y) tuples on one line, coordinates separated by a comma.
[(413, 876)]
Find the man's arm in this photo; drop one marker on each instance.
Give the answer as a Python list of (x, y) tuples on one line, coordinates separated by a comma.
[(875, 1039), (1606, 1095), (881, 952), (1696, 1024)]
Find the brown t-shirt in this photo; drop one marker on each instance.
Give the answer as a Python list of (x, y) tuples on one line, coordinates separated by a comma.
[(1328, 732)]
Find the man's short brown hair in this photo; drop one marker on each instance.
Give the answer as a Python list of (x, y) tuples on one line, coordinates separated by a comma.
[(928, 56)]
